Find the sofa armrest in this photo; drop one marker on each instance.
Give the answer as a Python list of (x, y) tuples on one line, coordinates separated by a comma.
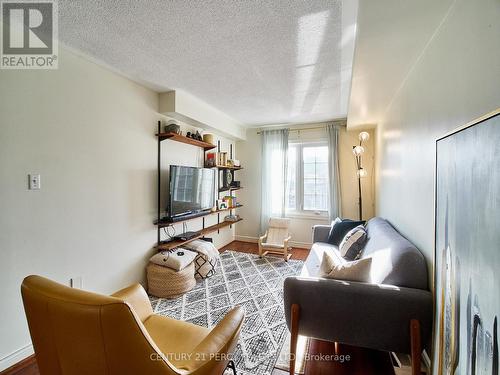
[(136, 297), (320, 233), (359, 314)]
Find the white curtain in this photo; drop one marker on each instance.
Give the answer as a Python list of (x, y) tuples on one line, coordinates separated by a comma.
[(334, 203), (274, 170)]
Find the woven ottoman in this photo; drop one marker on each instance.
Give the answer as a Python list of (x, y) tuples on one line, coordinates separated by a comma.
[(165, 282)]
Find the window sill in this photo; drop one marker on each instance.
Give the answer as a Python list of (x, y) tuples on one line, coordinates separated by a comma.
[(304, 216)]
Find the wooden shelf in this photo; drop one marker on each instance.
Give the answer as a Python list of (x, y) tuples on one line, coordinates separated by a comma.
[(176, 243), (228, 209), (165, 223), (183, 139), (230, 189), (222, 167)]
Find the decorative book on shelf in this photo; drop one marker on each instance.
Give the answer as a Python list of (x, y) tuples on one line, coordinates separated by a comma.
[(220, 160)]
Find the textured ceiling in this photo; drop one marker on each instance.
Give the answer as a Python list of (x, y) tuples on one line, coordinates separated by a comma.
[(260, 62)]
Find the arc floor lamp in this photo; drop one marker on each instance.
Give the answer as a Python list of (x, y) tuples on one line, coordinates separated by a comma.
[(358, 151)]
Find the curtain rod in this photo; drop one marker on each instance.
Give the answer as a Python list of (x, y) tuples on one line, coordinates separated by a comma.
[(298, 130)]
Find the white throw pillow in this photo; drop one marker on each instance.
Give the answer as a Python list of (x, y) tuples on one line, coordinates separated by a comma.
[(358, 270), (328, 262), (176, 259)]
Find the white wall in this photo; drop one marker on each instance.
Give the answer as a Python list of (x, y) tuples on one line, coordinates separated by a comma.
[(90, 134), (249, 153), (456, 80)]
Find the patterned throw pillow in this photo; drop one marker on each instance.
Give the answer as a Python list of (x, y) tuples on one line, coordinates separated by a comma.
[(352, 244), (340, 228), (206, 260)]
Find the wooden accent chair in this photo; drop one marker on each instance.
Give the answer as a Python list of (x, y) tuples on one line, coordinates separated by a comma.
[(77, 332), (275, 240)]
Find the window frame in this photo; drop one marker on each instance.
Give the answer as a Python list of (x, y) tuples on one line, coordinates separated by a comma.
[(299, 183)]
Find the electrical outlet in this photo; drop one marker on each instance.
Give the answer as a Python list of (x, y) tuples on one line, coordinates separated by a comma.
[(34, 182), (76, 282)]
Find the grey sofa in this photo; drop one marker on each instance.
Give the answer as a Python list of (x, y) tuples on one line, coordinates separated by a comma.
[(393, 313)]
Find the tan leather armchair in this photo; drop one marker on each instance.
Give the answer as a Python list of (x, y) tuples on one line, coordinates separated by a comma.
[(76, 332)]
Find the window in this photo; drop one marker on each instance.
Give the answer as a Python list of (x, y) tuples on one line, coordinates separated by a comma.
[(307, 180)]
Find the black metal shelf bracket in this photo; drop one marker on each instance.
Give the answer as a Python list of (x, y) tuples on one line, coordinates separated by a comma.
[(159, 183)]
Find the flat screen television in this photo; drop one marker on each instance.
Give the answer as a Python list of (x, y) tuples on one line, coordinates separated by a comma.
[(192, 190)]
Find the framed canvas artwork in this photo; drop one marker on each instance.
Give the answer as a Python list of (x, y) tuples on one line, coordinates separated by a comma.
[(467, 249)]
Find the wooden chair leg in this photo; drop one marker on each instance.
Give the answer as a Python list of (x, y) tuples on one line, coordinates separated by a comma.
[(416, 347), (294, 336), (285, 250)]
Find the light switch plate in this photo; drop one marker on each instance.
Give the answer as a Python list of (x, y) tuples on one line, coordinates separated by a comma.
[(34, 182)]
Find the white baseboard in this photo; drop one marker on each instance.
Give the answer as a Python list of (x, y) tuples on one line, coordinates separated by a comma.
[(251, 239), (246, 239), (15, 357)]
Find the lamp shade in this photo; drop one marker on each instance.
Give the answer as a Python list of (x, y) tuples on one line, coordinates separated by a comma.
[(364, 136), (358, 150), (362, 173)]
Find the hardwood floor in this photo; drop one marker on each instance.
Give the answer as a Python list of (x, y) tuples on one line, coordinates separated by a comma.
[(27, 366), (249, 247), (361, 361)]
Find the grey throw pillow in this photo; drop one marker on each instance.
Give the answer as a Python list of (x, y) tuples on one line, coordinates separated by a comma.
[(353, 243)]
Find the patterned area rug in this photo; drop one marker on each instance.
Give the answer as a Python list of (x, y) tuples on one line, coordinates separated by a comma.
[(248, 281)]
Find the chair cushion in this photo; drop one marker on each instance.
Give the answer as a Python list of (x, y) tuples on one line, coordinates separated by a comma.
[(277, 222), (276, 236), (272, 245), (174, 337), (340, 229), (353, 242)]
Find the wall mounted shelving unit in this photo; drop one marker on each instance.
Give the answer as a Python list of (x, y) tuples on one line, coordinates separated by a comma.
[(162, 222)]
